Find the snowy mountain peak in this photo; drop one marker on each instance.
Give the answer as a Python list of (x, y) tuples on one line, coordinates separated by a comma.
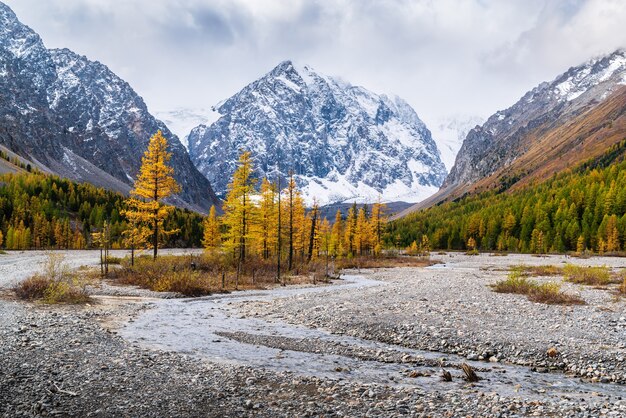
[(76, 118), (343, 142), (577, 80), (500, 140)]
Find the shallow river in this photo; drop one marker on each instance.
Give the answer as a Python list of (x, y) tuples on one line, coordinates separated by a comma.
[(197, 326)]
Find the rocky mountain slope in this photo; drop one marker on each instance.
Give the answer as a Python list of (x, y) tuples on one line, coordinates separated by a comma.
[(76, 118), (343, 142), (557, 124)]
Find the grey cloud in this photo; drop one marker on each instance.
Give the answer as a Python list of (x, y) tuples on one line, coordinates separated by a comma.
[(444, 56)]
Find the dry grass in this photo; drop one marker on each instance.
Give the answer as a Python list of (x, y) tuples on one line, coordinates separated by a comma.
[(215, 273), (622, 287), (32, 288), (515, 283), (210, 273), (57, 284), (382, 262), (114, 260), (549, 293), (592, 276), (545, 270)]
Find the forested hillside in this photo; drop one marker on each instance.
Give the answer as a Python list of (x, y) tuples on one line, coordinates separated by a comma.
[(39, 211), (582, 208)]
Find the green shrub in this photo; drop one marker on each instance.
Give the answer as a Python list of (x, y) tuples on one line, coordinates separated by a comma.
[(549, 293), (515, 283), (114, 260), (593, 276)]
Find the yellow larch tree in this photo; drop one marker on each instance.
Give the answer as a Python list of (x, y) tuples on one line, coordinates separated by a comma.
[(377, 222), (267, 218), (302, 222), (239, 209), (325, 241), (336, 236), (211, 238), (362, 232), (289, 210), (136, 235), (154, 183), (350, 230)]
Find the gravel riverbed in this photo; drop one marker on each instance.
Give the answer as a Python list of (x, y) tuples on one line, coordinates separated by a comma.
[(84, 361)]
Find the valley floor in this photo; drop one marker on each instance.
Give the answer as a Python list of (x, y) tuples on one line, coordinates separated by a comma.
[(372, 344)]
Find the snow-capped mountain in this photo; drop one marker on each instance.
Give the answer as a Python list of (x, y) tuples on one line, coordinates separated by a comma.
[(182, 120), (343, 142), (74, 117), (449, 133), (554, 127), (504, 137)]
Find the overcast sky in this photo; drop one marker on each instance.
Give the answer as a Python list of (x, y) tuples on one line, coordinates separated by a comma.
[(445, 57)]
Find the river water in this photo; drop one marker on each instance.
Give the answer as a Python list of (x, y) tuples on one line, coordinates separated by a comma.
[(198, 326)]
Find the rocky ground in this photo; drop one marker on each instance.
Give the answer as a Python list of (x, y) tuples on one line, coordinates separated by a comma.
[(70, 361), (450, 308)]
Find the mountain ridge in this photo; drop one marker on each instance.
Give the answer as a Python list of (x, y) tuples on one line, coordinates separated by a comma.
[(343, 142), (541, 133), (76, 118)]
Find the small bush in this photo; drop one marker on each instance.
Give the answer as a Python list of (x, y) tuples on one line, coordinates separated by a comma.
[(592, 276), (622, 288), (58, 284), (186, 282), (32, 288), (515, 283), (382, 262), (549, 293), (114, 260), (64, 292), (545, 270)]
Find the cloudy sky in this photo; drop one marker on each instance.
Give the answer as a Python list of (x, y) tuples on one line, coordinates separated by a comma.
[(445, 57)]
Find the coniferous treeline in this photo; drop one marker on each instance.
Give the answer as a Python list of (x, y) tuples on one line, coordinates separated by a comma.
[(40, 211), (583, 209)]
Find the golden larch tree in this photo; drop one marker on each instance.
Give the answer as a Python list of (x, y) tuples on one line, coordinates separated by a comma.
[(290, 210), (211, 238), (239, 208), (377, 222), (154, 183), (350, 230), (362, 232), (266, 225), (336, 237)]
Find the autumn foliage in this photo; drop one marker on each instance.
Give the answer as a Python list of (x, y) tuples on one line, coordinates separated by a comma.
[(579, 210)]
